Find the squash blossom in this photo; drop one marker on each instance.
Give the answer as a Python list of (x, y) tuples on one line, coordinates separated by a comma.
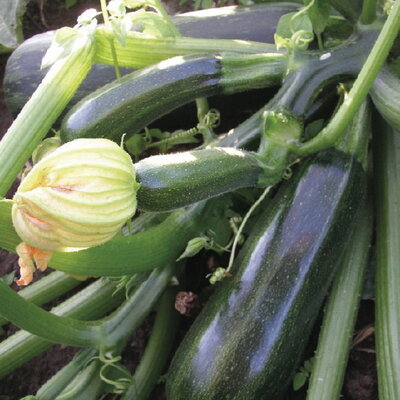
[(78, 196)]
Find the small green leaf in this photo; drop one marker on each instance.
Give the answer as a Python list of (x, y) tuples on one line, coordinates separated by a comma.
[(87, 16), (61, 46), (136, 145), (120, 28), (70, 3), (299, 380), (45, 147), (116, 8), (152, 24), (194, 246), (318, 12)]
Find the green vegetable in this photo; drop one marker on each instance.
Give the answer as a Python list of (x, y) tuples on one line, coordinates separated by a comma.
[(257, 22), (249, 338), (175, 180), (387, 295), (385, 94), (128, 104)]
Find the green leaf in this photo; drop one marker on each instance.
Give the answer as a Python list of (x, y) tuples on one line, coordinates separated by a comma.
[(61, 46), (11, 12), (121, 27), (46, 147), (294, 30), (136, 145), (116, 8), (152, 24), (194, 246), (299, 380), (70, 3), (318, 12)]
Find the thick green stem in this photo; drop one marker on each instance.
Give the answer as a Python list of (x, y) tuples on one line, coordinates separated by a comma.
[(46, 289), (387, 281), (336, 333), (41, 111), (126, 255), (112, 47), (86, 385), (368, 13), (106, 333), (119, 326), (91, 302), (333, 131), (53, 387), (157, 350), (140, 52)]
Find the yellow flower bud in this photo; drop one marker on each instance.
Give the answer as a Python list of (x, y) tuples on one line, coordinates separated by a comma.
[(76, 197)]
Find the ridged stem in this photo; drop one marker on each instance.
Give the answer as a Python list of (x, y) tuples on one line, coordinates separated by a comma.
[(127, 255), (385, 94), (335, 128), (91, 302), (41, 111), (63, 377), (86, 385), (368, 12), (139, 52), (46, 289), (336, 333), (387, 281), (157, 350), (104, 334)]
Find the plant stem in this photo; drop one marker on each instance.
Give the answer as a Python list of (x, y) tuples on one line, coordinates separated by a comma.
[(92, 302), (359, 91), (46, 289), (368, 13), (127, 255), (107, 24), (55, 385), (336, 333), (157, 350), (387, 281), (41, 111), (140, 52), (105, 333)]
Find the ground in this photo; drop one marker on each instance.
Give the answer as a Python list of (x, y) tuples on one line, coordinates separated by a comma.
[(360, 382)]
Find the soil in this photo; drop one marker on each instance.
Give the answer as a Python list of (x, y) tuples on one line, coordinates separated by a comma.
[(360, 381)]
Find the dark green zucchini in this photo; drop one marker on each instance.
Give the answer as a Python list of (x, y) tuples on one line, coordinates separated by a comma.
[(385, 94), (176, 180), (129, 104), (248, 340), (258, 23)]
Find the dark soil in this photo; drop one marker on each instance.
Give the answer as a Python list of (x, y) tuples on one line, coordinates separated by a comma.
[(360, 382)]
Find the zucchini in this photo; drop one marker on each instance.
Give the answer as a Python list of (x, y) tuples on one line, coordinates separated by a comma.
[(249, 338), (385, 94), (175, 180), (257, 22), (130, 103)]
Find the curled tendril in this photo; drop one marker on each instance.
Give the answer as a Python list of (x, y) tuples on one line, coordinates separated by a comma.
[(301, 39), (287, 174), (212, 119), (119, 385)]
